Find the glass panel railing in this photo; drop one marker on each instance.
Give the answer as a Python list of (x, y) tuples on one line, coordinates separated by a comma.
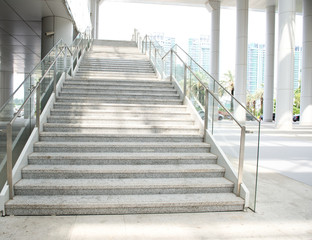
[(20, 111), (223, 121)]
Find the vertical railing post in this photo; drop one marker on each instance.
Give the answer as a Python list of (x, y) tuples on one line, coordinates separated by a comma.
[(9, 160), (150, 50), (162, 68), (38, 110), (145, 44), (184, 83), (171, 64), (206, 113), (155, 52), (241, 160)]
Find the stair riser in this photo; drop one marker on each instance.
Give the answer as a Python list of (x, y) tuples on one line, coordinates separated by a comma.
[(123, 101), (121, 96), (108, 83), (110, 175), (122, 131), (120, 91), (116, 139), (121, 109), (97, 210), (146, 122), (123, 149), (101, 115), (120, 190), (90, 161)]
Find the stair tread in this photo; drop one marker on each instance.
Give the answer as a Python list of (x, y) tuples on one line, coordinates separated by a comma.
[(123, 183), (160, 200), (123, 144), (122, 155), (198, 168)]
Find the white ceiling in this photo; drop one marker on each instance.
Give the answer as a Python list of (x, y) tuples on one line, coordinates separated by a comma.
[(20, 31), (253, 4)]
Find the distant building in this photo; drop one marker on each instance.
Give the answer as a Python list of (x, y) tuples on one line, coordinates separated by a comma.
[(167, 43), (255, 67), (256, 64), (199, 50)]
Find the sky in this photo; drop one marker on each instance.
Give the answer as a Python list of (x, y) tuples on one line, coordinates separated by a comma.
[(118, 20)]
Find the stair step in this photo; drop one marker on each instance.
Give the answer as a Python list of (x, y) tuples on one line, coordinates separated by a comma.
[(119, 120), (97, 137), (54, 158), (116, 95), (121, 171), (122, 186), (131, 100), (123, 204), (123, 108), (117, 89), (121, 147), (92, 113), (117, 128)]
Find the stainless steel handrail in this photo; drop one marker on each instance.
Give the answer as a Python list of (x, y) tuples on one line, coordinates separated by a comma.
[(10, 124), (207, 91), (28, 75), (36, 88), (215, 81)]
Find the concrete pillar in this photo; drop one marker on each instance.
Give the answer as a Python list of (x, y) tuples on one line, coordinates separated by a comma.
[(306, 83), (213, 6), (95, 18), (6, 86), (53, 29), (6, 90), (285, 69), (241, 57), (269, 64)]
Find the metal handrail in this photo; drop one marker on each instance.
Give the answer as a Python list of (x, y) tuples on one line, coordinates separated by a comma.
[(207, 91), (10, 124), (63, 50), (215, 81), (31, 73)]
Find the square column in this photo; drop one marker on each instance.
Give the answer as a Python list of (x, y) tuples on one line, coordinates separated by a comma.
[(285, 72), (306, 83)]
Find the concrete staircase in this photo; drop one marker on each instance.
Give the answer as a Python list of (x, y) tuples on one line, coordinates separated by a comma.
[(119, 141)]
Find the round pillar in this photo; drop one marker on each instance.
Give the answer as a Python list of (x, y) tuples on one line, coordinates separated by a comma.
[(306, 83), (285, 70), (269, 65), (240, 85), (53, 29)]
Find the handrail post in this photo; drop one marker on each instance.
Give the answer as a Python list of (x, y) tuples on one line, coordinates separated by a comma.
[(145, 44), (206, 113), (241, 160), (171, 64), (9, 160), (184, 83), (150, 50), (155, 52), (38, 107), (162, 68)]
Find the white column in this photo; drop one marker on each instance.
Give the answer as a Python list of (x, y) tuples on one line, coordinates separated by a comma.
[(269, 64), (53, 29), (306, 83), (95, 18), (241, 57), (213, 6), (285, 70)]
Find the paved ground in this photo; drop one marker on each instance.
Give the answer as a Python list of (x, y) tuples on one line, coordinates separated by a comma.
[(284, 208)]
